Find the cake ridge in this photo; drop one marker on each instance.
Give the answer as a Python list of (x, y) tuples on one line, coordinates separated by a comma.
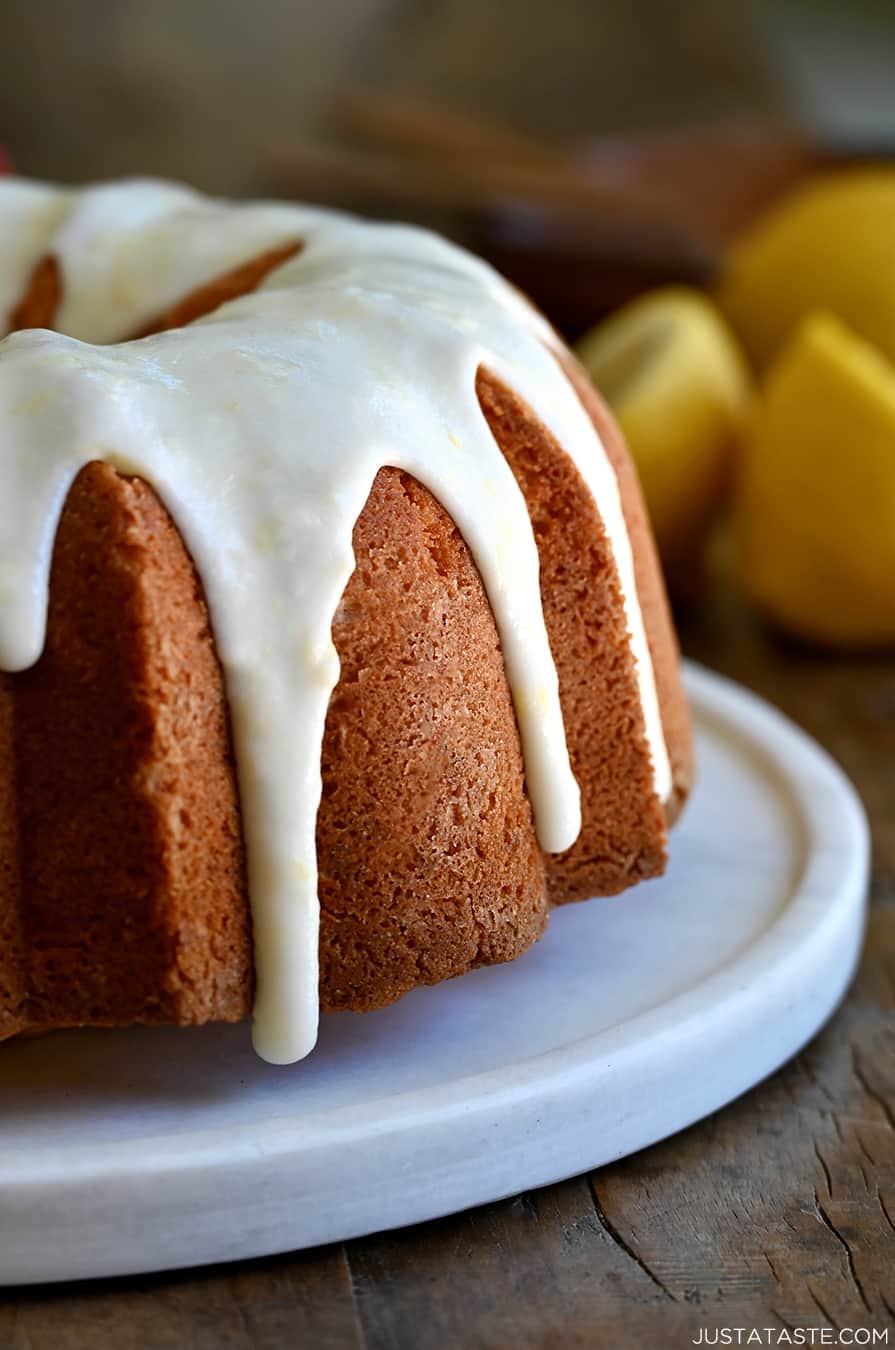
[(262, 426)]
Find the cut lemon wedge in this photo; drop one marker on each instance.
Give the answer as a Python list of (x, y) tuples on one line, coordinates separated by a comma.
[(829, 245), (678, 385), (815, 505)]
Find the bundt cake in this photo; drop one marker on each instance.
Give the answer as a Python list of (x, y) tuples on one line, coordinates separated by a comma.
[(326, 595)]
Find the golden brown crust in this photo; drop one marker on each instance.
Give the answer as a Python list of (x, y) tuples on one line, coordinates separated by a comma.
[(657, 617), (134, 900), (133, 895), (231, 285), (622, 837), (37, 307), (426, 846)]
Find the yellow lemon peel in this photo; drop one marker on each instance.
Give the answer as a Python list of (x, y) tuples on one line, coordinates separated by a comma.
[(815, 506), (826, 246), (678, 384)]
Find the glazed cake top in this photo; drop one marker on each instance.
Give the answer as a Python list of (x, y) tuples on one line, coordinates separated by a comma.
[(262, 427)]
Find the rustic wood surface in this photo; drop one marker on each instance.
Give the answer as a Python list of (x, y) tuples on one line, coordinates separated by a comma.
[(778, 1211)]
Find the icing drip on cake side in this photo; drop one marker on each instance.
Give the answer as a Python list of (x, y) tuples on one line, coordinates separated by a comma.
[(262, 428)]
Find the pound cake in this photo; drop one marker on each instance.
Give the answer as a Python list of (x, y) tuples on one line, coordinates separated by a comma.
[(334, 646)]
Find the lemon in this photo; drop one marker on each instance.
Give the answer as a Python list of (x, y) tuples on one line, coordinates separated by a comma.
[(678, 385), (815, 505), (829, 245)]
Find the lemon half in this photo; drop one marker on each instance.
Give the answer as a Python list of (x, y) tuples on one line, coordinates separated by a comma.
[(815, 506), (829, 245), (676, 381)]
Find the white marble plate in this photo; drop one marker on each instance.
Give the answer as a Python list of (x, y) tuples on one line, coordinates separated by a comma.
[(125, 1151)]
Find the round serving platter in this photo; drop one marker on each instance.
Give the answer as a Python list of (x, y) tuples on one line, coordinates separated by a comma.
[(146, 1149)]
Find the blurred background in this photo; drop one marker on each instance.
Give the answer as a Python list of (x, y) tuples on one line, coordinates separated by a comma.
[(478, 117), (210, 90), (597, 152)]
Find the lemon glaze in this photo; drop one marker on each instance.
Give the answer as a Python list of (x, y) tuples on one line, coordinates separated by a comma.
[(262, 427)]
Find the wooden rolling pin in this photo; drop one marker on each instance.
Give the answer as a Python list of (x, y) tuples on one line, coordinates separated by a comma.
[(580, 226)]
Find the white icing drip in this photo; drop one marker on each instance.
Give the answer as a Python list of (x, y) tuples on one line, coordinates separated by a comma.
[(130, 250), (262, 428), (30, 214), (405, 260)]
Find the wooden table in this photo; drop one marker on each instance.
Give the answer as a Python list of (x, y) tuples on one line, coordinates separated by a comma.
[(779, 1211)]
